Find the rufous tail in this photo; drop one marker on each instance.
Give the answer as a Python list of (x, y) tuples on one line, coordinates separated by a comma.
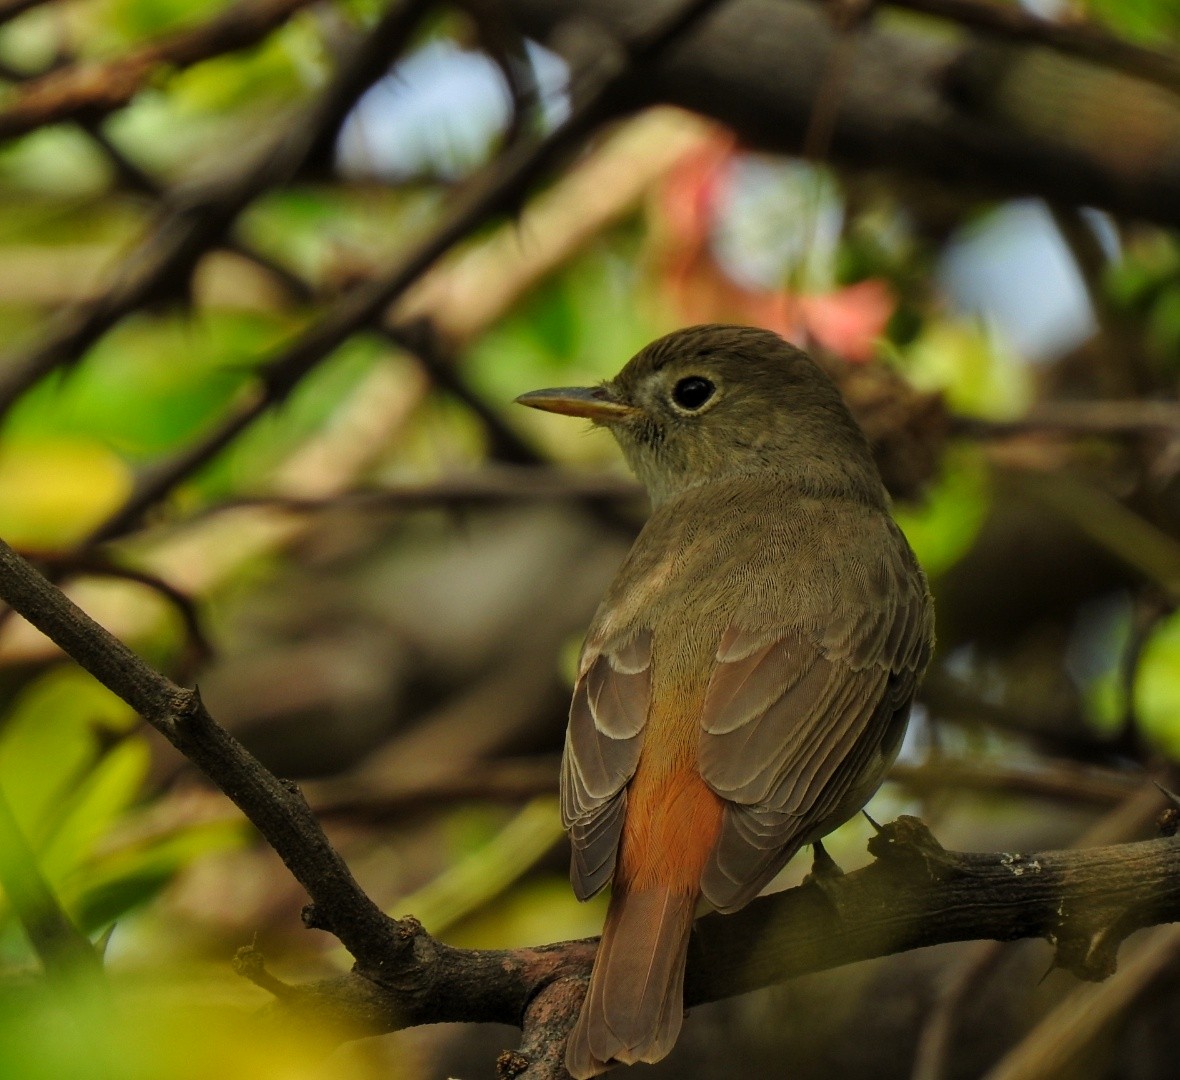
[(635, 1004)]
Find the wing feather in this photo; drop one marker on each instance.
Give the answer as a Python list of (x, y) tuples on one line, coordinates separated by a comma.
[(798, 724), (605, 735)]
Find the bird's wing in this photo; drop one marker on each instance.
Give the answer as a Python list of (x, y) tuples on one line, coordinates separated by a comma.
[(602, 744), (798, 724)]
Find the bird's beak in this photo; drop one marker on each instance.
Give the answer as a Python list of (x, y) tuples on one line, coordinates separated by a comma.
[(595, 403)]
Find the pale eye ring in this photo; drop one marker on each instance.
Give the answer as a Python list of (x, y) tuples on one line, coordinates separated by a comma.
[(692, 392)]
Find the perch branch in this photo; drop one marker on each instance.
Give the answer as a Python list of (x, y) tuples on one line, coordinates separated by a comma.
[(915, 893)]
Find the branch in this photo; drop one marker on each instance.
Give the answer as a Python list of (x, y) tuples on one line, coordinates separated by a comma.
[(1074, 38), (10, 9), (491, 485), (979, 114), (914, 894), (90, 91), (199, 646), (1080, 418), (601, 88)]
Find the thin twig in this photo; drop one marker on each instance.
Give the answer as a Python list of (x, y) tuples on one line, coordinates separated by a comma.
[(1061, 780), (489, 485), (1079, 418), (92, 90), (97, 566)]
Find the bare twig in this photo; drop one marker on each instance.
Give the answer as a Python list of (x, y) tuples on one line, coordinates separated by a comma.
[(1080, 418), (1060, 780), (183, 604), (490, 485), (90, 91)]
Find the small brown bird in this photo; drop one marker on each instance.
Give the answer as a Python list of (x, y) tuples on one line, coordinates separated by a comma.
[(748, 676)]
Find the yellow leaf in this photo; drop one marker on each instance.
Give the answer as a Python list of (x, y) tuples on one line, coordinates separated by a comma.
[(54, 491)]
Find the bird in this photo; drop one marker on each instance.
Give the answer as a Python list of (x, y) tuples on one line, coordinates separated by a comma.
[(748, 676)]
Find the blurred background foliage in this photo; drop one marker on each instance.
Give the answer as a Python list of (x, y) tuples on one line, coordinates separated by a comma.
[(376, 594)]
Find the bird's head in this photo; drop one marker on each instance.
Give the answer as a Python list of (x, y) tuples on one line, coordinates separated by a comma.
[(711, 402)]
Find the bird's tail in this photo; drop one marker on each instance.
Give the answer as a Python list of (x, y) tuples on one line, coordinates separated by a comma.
[(635, 1004)]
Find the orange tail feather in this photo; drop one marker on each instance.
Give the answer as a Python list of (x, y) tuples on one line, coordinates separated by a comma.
[(635, 1004)]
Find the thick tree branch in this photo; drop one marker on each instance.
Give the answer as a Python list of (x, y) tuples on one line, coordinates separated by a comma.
[(1074, 38), (915, 894), (979, 114)]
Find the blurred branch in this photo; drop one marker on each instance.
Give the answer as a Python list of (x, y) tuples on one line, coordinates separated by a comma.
[(278, 810), (10, 9), (490, 485), (1079, 418), (1057, 780), (460, 298), (978, 113), (91, 90), (505, 46), (1119, 347), (493, 781), (1128, 535), (1057, 1041), (60, 946), (933, 1053), (1073, 38), (520, 780), (183, 604)]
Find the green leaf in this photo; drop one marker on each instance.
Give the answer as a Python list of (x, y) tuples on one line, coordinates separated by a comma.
[(1157, 687), (943, 527), (50, 740), (91, 809), (121, 880), (970, 367)]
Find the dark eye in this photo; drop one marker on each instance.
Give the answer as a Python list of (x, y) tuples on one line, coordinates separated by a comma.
[(693, 392)]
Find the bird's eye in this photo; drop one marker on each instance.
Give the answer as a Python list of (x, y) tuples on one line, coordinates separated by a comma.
[(692, 392)]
